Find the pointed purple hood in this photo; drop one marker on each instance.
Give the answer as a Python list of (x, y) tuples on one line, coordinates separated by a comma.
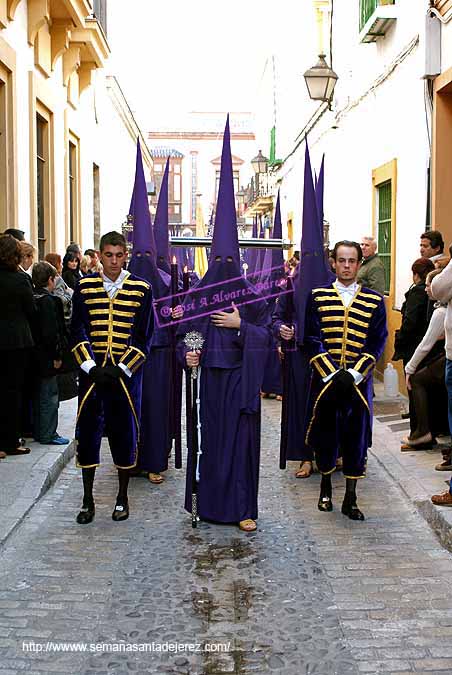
[(161, 227), (319, 192), (313, 270), (143, 262), (273, 259), (225, 241), (251, 254), (223, 283)]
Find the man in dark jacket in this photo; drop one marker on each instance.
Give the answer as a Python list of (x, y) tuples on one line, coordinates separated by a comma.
[(48, 332), (371, 274)]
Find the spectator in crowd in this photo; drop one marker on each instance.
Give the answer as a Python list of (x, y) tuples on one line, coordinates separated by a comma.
[(67, 379), (27, 254), (94, 264), (16, 312), (61, 290), (372, 272), (49, 331), (442, 291), (74, 248), (441, 263), (71, 269), (425, 375), (414, 322), (17, 234), (293, 262), (432, 245), (84, 265), (26, 261)]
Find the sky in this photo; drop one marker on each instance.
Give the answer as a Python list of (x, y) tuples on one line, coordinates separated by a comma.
[(174, 56)]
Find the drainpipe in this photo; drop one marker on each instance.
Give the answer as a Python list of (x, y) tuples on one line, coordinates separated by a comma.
[(433, 22)]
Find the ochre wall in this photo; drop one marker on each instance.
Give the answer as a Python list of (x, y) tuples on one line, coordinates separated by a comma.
[(441, 156)]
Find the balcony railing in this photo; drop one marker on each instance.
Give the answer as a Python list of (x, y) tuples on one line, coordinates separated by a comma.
[(368, 7), (100, 13), (261, 185)]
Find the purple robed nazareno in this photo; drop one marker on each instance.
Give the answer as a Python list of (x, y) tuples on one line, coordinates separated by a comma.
[(155, 436), (297, 381), (231, 373), (290, 310), (272, 274), (161, 226)]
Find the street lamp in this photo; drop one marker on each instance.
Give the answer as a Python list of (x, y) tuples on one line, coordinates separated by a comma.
[(260, 163), (320, 81)]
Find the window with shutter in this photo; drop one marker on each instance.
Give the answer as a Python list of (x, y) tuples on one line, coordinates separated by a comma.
[(384, 192)]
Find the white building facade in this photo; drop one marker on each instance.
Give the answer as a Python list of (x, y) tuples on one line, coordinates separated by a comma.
[(376, 135)]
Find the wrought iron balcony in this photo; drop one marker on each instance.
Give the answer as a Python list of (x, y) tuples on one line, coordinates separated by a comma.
[(259, 194), (375, 18)]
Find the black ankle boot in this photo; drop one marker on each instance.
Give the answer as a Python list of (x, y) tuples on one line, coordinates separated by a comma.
[(325, 503), (350, 508), (86, 514), (121, 510)]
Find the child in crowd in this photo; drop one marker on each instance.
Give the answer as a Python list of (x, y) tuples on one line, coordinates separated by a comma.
[(49, 334)]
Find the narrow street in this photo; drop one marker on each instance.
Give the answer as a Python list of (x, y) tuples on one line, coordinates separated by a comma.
[(308, 593)]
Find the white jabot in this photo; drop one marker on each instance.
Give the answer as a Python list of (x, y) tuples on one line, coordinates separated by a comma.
[(346, 292), (112, 287)]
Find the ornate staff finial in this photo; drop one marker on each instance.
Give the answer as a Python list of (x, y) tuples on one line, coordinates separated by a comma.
[(194, 340)]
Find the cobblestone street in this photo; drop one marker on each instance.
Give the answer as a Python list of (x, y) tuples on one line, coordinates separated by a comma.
[(308, 593)]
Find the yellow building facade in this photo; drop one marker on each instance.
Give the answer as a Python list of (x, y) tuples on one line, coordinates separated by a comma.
[(67, 135)]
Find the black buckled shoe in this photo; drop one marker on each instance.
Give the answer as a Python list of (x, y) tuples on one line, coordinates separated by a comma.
[(86, 515), (351, 510), (121, 512), (325, 503)]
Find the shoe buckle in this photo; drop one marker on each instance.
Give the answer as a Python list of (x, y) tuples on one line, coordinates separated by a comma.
[(118, 507)]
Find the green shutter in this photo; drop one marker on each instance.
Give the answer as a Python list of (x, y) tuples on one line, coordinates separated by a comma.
[(368, 7), (384, 229), (273, 161), (272, 145)]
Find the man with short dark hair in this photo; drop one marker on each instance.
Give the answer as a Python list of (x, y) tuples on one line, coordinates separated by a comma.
[(345, 336), (17, 234), (432, 245), (110, 334)]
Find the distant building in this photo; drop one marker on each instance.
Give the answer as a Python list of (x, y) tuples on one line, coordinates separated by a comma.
[(194, 148)]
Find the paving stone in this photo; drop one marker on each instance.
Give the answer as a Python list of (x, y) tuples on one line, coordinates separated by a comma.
[(309, 593)]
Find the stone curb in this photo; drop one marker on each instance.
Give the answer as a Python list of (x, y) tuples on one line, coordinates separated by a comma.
[(42, 476), (438, 518)]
